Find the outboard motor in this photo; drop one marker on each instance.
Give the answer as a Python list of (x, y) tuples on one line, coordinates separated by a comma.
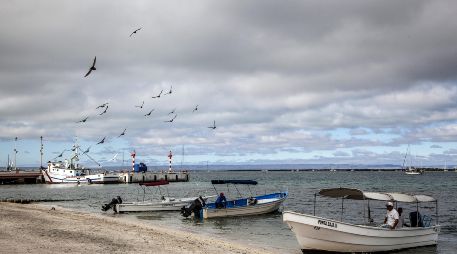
[(112, 204), (194, 207)]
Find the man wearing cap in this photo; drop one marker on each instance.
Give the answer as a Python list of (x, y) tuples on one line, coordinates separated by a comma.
[(392, 216), (221, 201)]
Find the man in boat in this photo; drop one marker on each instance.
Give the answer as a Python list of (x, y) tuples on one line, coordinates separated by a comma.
[(401, 219), (392, 217), (221, 201)]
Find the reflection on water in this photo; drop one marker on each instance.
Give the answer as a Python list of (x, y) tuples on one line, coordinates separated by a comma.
[(269, 230)]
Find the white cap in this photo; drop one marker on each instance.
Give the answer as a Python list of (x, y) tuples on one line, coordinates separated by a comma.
[(390, 204)]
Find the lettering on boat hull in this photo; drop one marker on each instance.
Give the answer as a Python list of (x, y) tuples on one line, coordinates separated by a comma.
[(327, 223)]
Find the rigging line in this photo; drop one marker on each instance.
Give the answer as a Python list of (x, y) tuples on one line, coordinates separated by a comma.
[(92, 159)]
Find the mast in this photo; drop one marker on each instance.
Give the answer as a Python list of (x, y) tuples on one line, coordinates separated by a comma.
[(8, 164), (41, 152), (15, 152), (182, 157)]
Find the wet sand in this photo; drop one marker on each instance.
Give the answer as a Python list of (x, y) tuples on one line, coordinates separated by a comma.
[(36, 228)]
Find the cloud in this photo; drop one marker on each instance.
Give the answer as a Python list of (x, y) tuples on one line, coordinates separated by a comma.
[(276, 78)]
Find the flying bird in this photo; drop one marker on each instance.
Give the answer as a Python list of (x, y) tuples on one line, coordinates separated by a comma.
[(104, 110), (140, 106), (103, 105), (170, 91), (195, 109), (150, 112), (83, 120), (172, 112), (61, 154), (87, 150), (122, 134), (158, 96), (101, 141), (92, 68), (171, 120), (214, 125), (134, 32)]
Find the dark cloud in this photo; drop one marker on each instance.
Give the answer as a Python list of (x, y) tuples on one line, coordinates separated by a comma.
[(274, 76)]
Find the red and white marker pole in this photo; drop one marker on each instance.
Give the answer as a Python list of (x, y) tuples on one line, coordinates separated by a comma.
[(133, 160), (170, 155)]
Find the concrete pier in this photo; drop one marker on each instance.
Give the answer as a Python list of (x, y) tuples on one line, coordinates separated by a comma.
[(21, 177), (138, 177)]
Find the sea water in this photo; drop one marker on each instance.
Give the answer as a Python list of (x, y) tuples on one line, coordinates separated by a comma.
[(268, 230)]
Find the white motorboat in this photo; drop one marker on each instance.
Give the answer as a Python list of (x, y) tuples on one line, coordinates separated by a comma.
[(162, 203), (413, 172), (253, 205), (323, 234)]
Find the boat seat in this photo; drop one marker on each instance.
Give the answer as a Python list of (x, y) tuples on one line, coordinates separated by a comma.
[(426, 220), (416, 219)]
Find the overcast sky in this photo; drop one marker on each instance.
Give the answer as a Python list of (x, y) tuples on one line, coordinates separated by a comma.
[(285, 81)]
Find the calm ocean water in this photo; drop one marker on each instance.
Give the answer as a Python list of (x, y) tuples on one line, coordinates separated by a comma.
[(269, 230)]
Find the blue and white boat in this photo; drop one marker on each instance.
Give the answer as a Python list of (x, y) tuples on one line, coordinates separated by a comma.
[(245, 206)]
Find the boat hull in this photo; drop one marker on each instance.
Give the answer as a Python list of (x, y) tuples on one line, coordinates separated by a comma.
[(156, 206), (316, 233), (259, 208), (52, 178)]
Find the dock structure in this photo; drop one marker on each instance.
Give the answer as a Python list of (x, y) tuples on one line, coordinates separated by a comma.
[(138, 177), (21, 177)]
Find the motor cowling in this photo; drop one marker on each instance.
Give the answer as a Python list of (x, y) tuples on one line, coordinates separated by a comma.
[(194, 207), (112, 204)]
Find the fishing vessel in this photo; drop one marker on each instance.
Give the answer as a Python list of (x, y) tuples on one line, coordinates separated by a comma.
[(316, 233), (161, 203), (243, 206), (72, 172)]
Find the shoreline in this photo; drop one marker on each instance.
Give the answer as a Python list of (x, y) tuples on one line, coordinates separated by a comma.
[(35, 228)]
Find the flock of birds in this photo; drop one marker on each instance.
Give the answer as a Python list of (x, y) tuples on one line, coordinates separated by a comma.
[(104, 109)]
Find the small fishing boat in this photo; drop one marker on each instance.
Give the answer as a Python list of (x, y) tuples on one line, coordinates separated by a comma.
[(324, 234), (243, 206), (162, 203)]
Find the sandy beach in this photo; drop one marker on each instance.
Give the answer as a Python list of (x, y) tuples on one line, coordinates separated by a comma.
[(34, 228)]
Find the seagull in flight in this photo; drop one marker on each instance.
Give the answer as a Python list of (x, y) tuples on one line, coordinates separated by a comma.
[(101, 141), (171, 120), (103, 105), (92, 68), (104, 111), (170, 91), (61, 154), (87, 150), (122, 134), (195, 109), (150, 112), (172, 112), (134, 32), (140, 106), (214, 125), (158, 96), (83, 120)]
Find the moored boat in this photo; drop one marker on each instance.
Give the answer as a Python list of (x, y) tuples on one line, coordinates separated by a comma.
[(245, 206), (161, 203), (72, 172), (324, 234)]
